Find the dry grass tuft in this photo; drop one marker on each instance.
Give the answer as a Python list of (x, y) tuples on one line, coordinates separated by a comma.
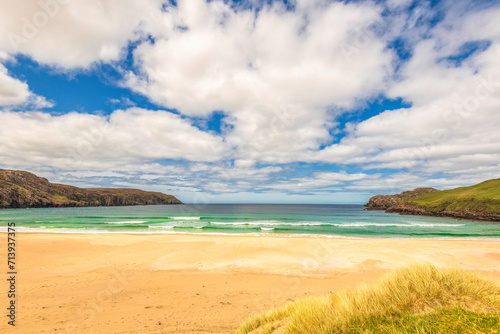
[(418, 299)]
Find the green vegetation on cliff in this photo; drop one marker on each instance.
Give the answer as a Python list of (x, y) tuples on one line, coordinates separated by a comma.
[(481, 201), (480, 198), (20, 189), (384, 202), (419, 299)]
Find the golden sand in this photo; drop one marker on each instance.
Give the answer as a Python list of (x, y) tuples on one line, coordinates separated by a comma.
[(122, 283)]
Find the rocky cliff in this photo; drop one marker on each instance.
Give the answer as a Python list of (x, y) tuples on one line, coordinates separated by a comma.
[(20, 189), (385, 202), (416, 210), (478, 202)]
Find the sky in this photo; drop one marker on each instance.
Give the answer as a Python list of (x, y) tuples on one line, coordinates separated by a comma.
[(252, 101)]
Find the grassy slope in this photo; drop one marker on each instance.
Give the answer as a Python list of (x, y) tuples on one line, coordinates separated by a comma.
[(482, 198), (382, 202), (419, 299)]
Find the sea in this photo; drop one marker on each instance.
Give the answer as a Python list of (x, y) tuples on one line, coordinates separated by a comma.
[(245, 219)]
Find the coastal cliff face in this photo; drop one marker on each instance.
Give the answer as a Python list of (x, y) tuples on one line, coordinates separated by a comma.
[(478, 202), (20, 189), (385, 202), (466, 213)]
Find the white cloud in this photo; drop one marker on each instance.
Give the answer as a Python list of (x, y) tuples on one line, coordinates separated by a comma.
[(274, 73), (12, 91), (453, 124), (398, 4), (15, 93), (75, 33), (122, 102), (82, 141), (66, 34), (224, 59), (319, 180), (280, 77)]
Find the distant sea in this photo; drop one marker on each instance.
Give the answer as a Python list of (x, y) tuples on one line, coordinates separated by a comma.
[(250, 219)]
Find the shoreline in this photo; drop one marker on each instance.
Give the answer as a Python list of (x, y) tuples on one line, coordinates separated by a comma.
[(251, 235), (446, 214), (126, 283), (408, 211)]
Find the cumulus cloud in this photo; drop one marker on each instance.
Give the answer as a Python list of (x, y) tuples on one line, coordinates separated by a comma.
[(12, 91), (73, 34), (280, 77), (208, 57), (80, 141), (67, 35), (275, 73), (319, 180), (452, 125)]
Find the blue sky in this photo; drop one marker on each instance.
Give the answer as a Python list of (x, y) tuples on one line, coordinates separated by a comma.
[(252, 101)]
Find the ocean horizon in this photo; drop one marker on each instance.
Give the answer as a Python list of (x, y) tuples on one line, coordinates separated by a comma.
[(328, 220)]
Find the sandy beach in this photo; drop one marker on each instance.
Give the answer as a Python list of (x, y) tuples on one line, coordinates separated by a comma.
[(124, 283)]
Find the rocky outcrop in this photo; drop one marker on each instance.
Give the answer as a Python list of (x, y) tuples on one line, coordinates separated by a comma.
[(477, 202), (386, 202), (416, 210), (20, 189)]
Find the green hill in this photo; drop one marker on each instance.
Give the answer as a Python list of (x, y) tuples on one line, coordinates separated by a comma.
[(20, 189), (481, 201), (384, 202), (419, 299)]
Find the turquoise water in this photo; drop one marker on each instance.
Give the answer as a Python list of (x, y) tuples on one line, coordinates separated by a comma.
[(333, 220)]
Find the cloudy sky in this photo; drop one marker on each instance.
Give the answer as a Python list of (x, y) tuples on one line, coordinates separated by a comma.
[(296, 101)]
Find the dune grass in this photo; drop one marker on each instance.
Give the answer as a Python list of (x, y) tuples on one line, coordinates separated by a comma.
[(481, 198), (418, 299)]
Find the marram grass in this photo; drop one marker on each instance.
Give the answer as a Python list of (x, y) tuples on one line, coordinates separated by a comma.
[(418, 299)]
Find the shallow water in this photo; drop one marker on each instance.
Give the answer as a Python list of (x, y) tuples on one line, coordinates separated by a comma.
[(328, 220)]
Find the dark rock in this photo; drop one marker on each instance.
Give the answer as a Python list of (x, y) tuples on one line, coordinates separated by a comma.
[(415, 210), (20, 189), (386, 202)]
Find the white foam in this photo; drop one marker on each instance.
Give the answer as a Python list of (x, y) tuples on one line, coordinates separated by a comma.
[(160, 226), (267, 228), (311, 224), (437, 225), (233, 223), (95, 231), (128, 222), (326, 236), (270, 223), (357, 224), (396, 225), (185, 218)]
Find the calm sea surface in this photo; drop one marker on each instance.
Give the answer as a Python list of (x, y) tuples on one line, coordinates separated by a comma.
[(328, 220)]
